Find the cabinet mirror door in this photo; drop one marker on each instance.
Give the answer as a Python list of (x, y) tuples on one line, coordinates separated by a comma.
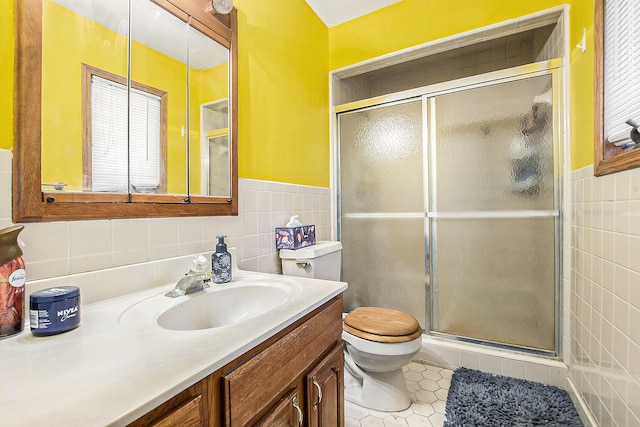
[(128, 104)]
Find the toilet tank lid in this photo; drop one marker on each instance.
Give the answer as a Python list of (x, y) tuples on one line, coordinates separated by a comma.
[(309, 252)]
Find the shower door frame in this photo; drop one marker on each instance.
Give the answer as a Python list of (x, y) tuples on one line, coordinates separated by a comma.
[(427, 94)]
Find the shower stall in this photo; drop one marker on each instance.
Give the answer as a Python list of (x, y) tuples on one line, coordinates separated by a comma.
[(449, 206)]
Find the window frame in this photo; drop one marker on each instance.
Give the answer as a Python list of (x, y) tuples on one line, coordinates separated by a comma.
[(607, 157), (88, 72)]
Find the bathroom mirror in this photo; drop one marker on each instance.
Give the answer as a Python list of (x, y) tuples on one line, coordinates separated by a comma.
[(125, 109)]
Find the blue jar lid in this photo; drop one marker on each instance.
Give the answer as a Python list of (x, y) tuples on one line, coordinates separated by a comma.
[(54, 294)]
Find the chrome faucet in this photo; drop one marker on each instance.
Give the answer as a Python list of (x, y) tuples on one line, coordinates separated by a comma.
[(195, 280)]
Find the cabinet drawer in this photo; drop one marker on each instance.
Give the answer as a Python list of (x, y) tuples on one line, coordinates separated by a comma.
[(187, 408), (251, 387)]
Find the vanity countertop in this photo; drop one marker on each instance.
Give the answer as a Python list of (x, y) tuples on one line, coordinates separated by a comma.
[(109, 371)]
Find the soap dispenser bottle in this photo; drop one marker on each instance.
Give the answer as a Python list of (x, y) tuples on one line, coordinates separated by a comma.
[(12, 280), (221, 262)]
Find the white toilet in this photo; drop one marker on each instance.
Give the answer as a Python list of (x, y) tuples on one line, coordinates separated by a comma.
[(378, 341)]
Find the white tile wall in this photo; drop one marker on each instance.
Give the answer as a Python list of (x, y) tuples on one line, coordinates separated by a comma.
[(61, 248), (267, 205), (605, 296)]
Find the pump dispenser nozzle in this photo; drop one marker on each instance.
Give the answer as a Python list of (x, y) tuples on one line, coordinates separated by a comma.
[(221, 246)]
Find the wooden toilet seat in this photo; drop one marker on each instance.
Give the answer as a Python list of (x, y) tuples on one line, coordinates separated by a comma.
[(380, 324)]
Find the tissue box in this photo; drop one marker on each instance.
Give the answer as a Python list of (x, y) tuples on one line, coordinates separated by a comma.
[(295, 237)]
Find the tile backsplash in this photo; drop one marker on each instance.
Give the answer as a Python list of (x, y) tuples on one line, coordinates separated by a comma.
[(60, 248)]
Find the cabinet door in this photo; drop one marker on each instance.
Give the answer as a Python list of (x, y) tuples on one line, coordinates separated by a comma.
[(325, 391), (285, 413)]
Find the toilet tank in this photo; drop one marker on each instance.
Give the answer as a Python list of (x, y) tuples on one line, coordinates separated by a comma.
[(320, 261)]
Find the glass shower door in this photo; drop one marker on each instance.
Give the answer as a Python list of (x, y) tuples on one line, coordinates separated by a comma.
[(382, 207), (493, 213)]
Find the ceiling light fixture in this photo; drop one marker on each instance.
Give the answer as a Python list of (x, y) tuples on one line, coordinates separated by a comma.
[(222, 6)]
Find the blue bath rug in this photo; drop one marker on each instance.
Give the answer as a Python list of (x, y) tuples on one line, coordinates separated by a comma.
[(481, 399)]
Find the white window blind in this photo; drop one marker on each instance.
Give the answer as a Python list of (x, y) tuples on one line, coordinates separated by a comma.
[(622, 68), (109, 138)]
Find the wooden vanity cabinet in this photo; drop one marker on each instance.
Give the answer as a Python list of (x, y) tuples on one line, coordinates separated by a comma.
[(253, 387), (294, 378)]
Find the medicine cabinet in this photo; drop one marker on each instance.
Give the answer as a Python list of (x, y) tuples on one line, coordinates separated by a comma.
[(111, 104)]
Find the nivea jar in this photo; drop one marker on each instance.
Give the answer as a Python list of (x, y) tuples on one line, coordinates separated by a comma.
[(54, 310)]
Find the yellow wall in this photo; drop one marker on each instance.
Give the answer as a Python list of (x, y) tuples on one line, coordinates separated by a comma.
[(283, 92), (413, 22), (6, 75), (581, 101), (286, 52)]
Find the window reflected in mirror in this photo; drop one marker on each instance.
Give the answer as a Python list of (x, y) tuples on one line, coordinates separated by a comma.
[(111, 161)]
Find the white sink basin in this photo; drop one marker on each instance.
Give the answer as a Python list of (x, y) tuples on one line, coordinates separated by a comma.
[(246, 300), (222, 307)]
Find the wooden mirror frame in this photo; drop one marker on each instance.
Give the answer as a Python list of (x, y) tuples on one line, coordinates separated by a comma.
[(31, 204), (607, 157)]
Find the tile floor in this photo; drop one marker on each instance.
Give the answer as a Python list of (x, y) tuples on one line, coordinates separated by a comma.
[(428, 386)]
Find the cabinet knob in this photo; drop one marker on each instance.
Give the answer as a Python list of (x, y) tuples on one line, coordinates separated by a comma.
[(315, 383), (300, 416)]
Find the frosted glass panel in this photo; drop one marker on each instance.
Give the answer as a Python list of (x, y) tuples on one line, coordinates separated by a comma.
[(495, 280), (494, 148), (381, 159), (382, 207), (383, 263)]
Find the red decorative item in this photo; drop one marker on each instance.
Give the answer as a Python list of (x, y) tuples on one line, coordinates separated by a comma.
[(12, 280)]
